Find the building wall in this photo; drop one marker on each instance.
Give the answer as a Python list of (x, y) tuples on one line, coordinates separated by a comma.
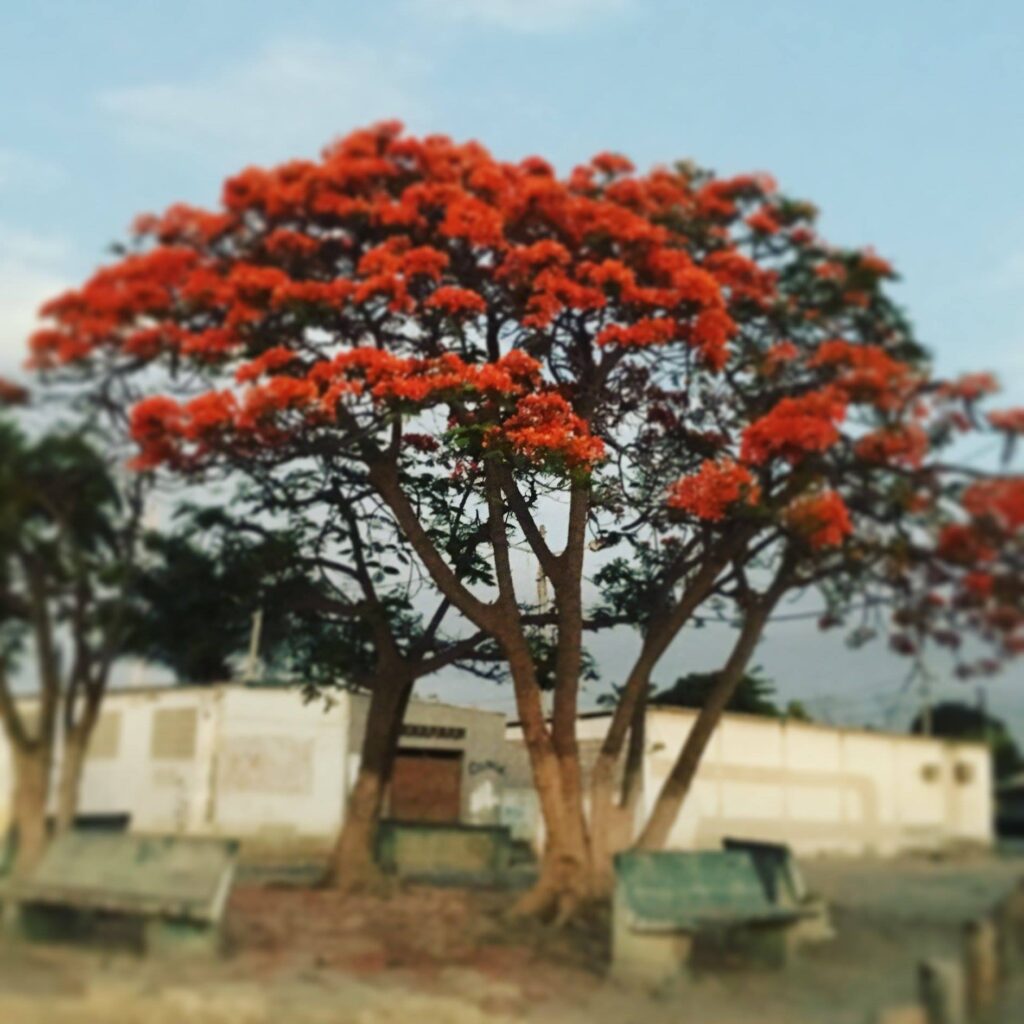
[(478, 735), (820, 789), (257, 763)]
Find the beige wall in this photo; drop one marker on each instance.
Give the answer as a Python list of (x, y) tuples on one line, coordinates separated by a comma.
[(256, 763), (820, 789)]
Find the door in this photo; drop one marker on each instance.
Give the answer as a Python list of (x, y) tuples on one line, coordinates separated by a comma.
[(426, 785)]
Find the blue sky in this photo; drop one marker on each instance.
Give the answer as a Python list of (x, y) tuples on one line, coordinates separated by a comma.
[(903, 121)]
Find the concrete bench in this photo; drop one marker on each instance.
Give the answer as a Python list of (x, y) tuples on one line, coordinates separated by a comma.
[(444, 853), (785, 886), (666, 900), (171, 892)]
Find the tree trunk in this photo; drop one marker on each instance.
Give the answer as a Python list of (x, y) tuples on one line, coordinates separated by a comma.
[(563, 882), (31, 789), (353, 865), (676, 787), (69, 780), (611, 818)]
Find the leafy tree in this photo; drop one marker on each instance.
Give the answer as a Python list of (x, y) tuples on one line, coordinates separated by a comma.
[(334, 615), (201, 587), (753, 695), (722, 406), (956, 720), (68, 540)]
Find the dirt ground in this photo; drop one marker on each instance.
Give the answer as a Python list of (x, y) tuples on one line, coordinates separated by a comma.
[(446, 956)]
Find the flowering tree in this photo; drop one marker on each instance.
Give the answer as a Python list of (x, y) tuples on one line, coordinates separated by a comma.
[(674, 361)]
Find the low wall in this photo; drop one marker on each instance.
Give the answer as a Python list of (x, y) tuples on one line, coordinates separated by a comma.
[(818, 788)]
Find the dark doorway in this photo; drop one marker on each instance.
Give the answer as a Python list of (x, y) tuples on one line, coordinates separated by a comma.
[(426, 785)]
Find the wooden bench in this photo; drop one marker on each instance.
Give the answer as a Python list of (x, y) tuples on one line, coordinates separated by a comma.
[(664, 901), (785, 886), (170, 892)]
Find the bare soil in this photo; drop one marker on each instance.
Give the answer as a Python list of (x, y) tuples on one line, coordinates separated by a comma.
[(450, 956)]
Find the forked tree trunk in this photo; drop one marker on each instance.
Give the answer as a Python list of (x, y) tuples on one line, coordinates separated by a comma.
[(676, 787), (31, 789), (353, 864)]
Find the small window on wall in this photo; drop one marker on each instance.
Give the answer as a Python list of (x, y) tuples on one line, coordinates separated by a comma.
[(963, 772), (174, 734), (930, 772)]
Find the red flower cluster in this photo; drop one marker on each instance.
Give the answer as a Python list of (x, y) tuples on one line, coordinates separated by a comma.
[(1001, 501), (866, 373), (1009, 421), (11, 393), (455, 301), (794, 428), (714, 490), (543, 427), (822, 518), (160, 424), (904, 445), (961, 544), (970, 387)]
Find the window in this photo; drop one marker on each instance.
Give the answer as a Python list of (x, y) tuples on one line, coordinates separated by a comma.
[(174, 734)]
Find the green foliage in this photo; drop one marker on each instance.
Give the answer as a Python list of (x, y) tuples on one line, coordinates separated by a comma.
[(61, 540), (957, 720), (544, 647), (202, 586), (754, 695)]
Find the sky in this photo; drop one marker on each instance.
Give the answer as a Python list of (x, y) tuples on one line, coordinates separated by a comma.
[(903, 122)]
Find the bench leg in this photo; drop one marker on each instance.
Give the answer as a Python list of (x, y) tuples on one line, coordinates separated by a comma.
[(167, 938), (38, 922), (766, 946), (650, 959), (642, 957)]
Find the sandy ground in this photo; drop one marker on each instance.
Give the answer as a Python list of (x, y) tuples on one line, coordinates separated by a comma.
[(448, 957)]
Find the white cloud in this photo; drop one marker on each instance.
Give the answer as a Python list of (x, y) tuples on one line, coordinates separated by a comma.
[(31, 271), (521, 15), (290, 98)]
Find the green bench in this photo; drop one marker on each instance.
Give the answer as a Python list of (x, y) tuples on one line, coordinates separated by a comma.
[(785, 886), (665, 902), (165, 893), (444, 853)]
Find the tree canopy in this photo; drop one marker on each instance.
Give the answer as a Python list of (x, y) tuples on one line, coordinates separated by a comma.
[(722, 405)]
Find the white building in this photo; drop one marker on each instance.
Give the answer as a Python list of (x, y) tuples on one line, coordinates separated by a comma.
[(820, 789), (259, 764)]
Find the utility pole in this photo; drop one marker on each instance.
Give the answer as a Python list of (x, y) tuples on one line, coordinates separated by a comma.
[(543, 603), (252, 661), (926, 701)]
